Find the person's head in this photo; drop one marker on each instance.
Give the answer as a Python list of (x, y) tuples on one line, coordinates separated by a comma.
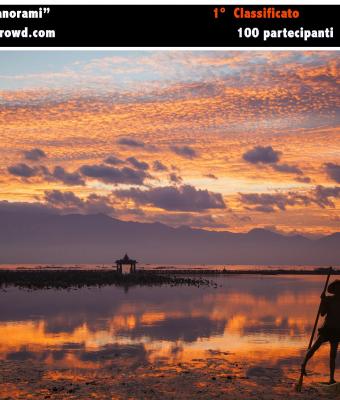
[(334, 287)]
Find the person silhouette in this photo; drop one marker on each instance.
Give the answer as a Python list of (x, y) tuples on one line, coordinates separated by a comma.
[(330, 330)]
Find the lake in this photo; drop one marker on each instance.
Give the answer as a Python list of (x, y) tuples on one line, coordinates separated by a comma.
[(256, 321)]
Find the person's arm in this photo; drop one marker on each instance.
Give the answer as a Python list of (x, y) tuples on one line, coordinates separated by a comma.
[(324, 304)]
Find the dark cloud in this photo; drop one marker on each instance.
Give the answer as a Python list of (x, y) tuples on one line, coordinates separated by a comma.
[(239, 217), (184, 151), (263, 155), (303, 179), (69, 178), (183, 198), (58, 202), (323, 195), (58, 174), (99, 204), (125, 141), (105, 173), (67, 202), (266, 202), (264, 209), (112, 160), (270, 202), (287, 168), (268, 156), (114, 175), (173, 177), (211, 176), (159, 166), (333, 171), (22, 170), (57, 198), (34, 154), (138, 164)]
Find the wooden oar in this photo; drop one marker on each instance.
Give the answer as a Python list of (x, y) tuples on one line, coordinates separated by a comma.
[(298, 386)]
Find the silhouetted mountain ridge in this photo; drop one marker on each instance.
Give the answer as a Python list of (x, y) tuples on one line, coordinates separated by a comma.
[(74, 238)]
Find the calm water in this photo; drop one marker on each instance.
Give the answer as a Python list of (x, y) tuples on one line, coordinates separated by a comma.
[(263, 320)]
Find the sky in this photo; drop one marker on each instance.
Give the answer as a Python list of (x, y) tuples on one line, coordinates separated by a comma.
[(225, 140)]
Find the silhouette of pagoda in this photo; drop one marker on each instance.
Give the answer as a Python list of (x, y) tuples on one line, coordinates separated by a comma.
[(126, 260)]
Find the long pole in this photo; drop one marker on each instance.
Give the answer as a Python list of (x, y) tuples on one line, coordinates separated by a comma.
[(300, 382)]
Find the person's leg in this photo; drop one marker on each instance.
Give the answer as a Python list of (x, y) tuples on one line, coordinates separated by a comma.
[(311, 352), (332, 358)]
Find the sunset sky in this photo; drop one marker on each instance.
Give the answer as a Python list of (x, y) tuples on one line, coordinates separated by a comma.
[(216, 140)]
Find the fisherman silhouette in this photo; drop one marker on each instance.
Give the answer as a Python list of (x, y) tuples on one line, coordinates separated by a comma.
[(330, 330)]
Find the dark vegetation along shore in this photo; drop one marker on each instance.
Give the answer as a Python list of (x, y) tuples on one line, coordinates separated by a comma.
[(68, 278), (64, 279), (278, 271)]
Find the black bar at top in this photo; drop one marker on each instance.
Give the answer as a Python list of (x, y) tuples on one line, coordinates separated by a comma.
[(165, 26)]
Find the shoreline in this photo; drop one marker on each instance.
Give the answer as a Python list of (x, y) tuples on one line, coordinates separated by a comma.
[(67, 279), (278, 271), (77, 278)]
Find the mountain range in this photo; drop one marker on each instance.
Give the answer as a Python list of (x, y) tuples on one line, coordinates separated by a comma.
[(27, 237)]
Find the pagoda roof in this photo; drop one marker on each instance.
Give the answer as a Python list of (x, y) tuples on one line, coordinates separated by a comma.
[(126, 260)]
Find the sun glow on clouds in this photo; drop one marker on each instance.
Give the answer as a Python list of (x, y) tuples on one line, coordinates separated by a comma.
[(197, 113)]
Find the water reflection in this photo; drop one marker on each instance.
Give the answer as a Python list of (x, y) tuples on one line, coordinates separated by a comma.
[(264, 321)]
